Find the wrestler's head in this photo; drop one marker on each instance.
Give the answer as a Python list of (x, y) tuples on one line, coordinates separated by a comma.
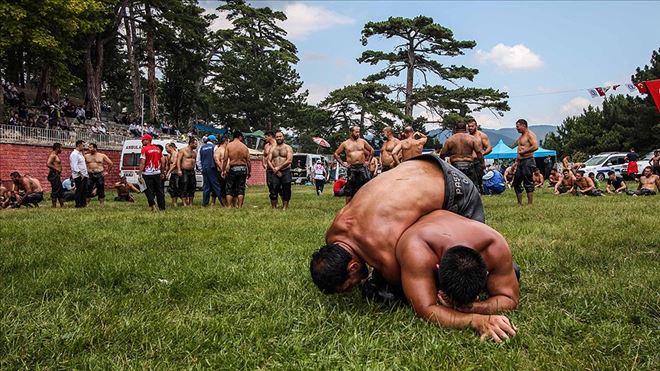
[(335, 270), (648, 171), (462, 275), (579, 175), (472, 126), (355, 132)]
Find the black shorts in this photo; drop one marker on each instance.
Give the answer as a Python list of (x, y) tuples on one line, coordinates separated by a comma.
[(593, 193), (356, 176), (96, 180), (174, 187), (281, 185), (461, 195), (467, 168), (269, 180), (236, 179), (524, 176), (56, 189), (33, 198), (124, 198), (187, 183)]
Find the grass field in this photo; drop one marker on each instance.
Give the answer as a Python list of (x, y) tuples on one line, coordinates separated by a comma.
[(121, 288)]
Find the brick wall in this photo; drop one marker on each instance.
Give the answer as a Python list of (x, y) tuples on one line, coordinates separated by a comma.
[(31, 159)]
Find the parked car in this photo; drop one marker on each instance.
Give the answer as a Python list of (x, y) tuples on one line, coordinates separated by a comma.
[(603, 162), (644, 162)]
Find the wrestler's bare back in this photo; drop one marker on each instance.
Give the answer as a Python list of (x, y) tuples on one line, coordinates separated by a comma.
[(384, 208)]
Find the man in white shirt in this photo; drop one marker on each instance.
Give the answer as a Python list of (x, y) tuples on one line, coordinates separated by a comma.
[(79, 173)]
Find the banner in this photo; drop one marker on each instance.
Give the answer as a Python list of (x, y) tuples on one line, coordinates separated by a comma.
[(640, 86), (593, 93), (653, 88), (601, 92)]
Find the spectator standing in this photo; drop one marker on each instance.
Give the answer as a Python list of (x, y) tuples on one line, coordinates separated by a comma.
[(209, 170), (320, 177), (79, 173), (150, 172), (632, 158)]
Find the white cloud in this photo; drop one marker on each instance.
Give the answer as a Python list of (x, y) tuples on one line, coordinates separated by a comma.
[(312, 56), (575, 106), (510, 58), (317, 92), (303, 20)]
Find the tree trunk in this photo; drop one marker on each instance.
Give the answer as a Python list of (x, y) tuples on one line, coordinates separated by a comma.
[(151, 66), (131, 39), (93, 69), (44, 83), (410, 74)]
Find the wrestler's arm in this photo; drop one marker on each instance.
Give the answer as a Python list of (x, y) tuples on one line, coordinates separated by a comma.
[(422, 138), (479, 152), (395, 152), (108, 162), (179, 160), (338, 153), (51, 162), (132, 188), (417, 278), (289, 157), (485, 143), (248, 163), (369, 150), (217, 158)]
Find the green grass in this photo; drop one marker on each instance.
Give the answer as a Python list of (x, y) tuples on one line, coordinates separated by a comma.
[(121, 287)]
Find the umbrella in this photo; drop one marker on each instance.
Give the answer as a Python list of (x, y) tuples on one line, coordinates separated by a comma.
[(321, 142)]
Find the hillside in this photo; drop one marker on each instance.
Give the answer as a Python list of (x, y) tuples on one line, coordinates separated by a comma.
[(507, 135)]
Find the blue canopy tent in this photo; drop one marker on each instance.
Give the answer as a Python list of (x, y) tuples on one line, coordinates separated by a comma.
[(501, 150), (209, 129), (541, 152)]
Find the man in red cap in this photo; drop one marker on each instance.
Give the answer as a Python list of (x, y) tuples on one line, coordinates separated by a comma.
[(150, 172)]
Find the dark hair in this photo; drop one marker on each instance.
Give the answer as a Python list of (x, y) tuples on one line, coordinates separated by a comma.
[(269, 133), (93, 145), (329, 268), (160, 147), (192, 140), (610, 172), (471, 120), (57, 146), (648, 167), (591, 174), (15, 174), (581, 172), (79, 142), (237, 134), (522, 122), (460, 125), (462, 275)]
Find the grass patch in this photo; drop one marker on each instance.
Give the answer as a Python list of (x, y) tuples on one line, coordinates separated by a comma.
[(121, 287)]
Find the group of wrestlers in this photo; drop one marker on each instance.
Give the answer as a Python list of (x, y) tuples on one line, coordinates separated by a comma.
[(416, 233)]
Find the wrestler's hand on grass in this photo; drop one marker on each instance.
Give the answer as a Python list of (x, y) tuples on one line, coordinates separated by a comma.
[(494, 326)]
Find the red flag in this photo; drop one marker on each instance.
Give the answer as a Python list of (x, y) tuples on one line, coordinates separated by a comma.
[(653, 87), (640, 86), (601, 92)]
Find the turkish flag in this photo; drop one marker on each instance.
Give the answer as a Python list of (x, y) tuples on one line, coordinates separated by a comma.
[(640, 86), (601, 92), (653, 87)]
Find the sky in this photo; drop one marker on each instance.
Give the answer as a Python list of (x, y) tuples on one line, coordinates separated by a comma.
[(545, 55)]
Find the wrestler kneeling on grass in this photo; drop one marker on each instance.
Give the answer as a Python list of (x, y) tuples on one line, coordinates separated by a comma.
[(443, 262)]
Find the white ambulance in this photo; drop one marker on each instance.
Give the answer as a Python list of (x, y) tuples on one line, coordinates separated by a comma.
[(130, 160)]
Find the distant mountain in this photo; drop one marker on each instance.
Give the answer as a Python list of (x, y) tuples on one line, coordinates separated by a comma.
[(507, 135)]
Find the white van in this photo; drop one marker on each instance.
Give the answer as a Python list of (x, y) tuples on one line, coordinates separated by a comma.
[(302, 165), (130, 159)]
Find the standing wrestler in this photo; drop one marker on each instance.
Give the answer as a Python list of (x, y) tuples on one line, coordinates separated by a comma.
[(98, 166), (219, 156), (186, 171), (269, 143), (33, 193), (655, 163), (486, 149), (411, 146), (279, 162), (358, 154), (54, 165), (237, 169), (387, 161), (463, 150), (172, 173), (527, 144)]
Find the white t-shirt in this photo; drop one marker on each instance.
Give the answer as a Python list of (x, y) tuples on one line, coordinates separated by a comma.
[(319, 171)]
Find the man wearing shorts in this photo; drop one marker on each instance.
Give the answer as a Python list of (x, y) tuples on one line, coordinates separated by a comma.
[(98, 165), (648, 183), (237, 170), (462, 149), (33, 194), (186, 160), (173, 174), (486, 148), (358, 154), (54, 165), (523, 178), (279, 162), (269, 138), (584, 186)]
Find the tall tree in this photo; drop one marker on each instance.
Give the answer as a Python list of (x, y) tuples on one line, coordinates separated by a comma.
[(422, 42), (256, 84)]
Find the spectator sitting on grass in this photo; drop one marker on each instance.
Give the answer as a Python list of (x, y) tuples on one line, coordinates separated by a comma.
[(615, 184), (69, 187), (509, 173), (124, 190), (566, 183), (537, 177), (648, 183), (338, 187), (585, 186), (553, 178)]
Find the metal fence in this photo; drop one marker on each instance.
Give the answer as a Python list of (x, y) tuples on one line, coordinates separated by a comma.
[(39, 136)]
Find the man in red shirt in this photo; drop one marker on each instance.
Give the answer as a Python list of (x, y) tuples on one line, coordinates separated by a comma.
[(337, 188), (150, 172)]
